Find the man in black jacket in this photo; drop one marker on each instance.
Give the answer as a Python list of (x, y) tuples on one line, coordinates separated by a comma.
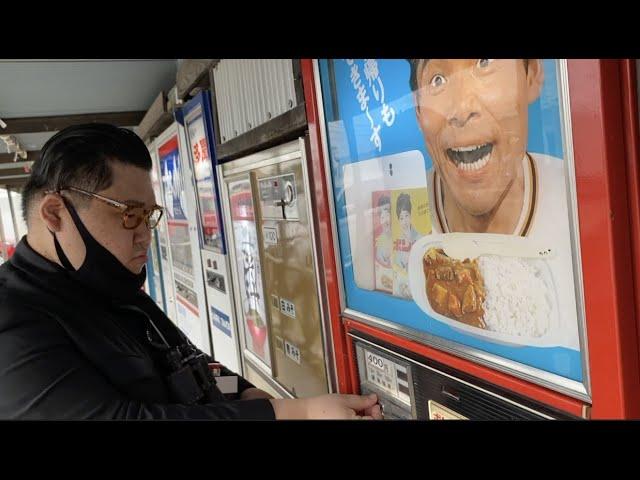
[(78, 337)]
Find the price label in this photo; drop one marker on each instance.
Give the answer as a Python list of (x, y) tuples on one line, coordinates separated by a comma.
[(378, 362), (381, 372)]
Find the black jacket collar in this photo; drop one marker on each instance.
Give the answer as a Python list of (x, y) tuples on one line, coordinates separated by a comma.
[(52, 277)]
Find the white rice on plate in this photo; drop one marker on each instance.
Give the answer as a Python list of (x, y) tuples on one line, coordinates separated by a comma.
[(517, 299)]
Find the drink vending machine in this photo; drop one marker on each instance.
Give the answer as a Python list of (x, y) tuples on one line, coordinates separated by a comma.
[(153, 283), (211, 238), (161, 254), (179, 200), (483, 220)]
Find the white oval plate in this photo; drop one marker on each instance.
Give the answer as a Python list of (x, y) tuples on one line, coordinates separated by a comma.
[(554, 335)]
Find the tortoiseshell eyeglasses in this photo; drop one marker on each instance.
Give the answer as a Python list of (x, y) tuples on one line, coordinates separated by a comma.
[(132, 215)]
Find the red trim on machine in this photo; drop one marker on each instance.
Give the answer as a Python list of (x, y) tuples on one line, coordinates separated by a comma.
[(325, 230)]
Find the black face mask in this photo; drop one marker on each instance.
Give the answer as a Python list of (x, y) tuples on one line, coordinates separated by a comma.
[(100, 271)]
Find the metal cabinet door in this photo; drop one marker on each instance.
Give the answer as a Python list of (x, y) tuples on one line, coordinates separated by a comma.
[(291, 287)]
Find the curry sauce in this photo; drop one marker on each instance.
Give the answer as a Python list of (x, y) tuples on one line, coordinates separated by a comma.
[(455, 289)]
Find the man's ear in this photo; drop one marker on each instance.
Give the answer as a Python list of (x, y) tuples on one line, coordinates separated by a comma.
[(535, 79), (49, 211), (416, 100)]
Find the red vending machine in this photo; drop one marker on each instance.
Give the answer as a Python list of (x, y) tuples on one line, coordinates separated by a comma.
[(479, 233)]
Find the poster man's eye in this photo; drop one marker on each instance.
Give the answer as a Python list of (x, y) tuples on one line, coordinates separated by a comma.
[(484, 62), (437, 80)]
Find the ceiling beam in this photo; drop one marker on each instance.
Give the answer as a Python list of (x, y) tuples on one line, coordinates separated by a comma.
[(32, 156), (58, 122), (17, 182), (193, 72), (14, 180), (21, 170)]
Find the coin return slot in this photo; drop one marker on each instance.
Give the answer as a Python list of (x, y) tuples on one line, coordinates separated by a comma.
[(449, 394)]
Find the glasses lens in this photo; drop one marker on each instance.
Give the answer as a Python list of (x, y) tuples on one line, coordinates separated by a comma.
[(133, 217), (154, 217)]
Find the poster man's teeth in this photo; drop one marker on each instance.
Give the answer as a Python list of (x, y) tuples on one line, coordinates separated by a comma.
[(468, 149), (477, 165)]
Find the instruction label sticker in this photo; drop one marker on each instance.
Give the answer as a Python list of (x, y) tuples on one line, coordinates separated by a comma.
[(440, 412), (291, 351), (287, 307), (270, 235)]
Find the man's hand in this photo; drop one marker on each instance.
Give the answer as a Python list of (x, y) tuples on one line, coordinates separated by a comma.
[(254, 393), (347, 407), (328, 407)]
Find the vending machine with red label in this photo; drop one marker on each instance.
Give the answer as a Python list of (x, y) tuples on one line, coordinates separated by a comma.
[(179, 201), (479, 230)]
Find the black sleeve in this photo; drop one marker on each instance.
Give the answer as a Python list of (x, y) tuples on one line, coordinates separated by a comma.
[(44, 377)]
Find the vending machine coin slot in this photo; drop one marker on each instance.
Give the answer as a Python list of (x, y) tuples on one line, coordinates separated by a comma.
[(278, 197), (391, 379)]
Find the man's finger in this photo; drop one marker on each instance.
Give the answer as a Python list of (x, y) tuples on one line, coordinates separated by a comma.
[(375, 412), (360, 402)]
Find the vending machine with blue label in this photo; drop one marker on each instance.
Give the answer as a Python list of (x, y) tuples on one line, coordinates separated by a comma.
[(211, 240)]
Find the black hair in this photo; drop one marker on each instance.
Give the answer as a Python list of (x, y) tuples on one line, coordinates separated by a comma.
[(80, 156), (403, 203), (384, 200), (415, 62)]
